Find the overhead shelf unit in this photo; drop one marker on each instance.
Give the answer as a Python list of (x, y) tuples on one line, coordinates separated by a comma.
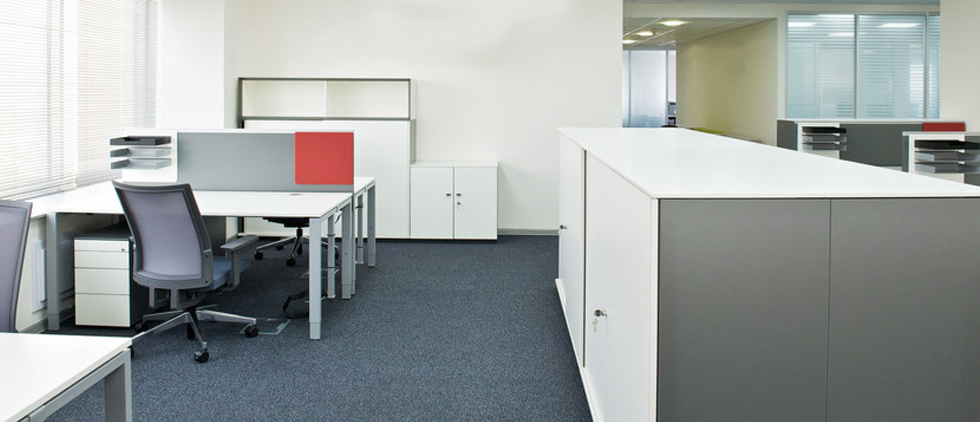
[(380, 112), (948, 155)]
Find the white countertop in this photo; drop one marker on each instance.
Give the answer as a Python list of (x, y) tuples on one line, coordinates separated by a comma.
[(37, 367), (680, 163), (100, 198)]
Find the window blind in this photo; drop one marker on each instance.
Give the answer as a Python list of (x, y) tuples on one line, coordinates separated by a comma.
[(78, 72), (891, 66), (865, 66), (820, 66), (31, 159), (932, 66)]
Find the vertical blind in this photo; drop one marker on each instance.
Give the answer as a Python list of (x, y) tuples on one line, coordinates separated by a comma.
[(863, 66), (648, 85), (72, 75)]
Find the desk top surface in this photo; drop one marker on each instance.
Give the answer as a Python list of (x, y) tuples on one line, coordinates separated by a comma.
[(100, 198), (37, 367), (679, 163)]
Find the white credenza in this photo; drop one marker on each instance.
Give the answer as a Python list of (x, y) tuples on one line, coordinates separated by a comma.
[(104, 292), (707, 278), (454, 200)]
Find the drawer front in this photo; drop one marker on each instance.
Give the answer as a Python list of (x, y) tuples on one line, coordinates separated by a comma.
[(89, 259), (102, 281), (102, 310), (102, 245)]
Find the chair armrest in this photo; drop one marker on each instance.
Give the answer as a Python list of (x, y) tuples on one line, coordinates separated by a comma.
[(239, 244)]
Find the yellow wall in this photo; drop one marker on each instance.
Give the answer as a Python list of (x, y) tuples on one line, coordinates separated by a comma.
[(726, 83)]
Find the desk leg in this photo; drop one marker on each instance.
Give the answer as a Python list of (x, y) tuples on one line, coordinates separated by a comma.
[(119, 391), (360, 230), (331, 258), (372, 247), (51, 270), (347, 250), (316, 282)]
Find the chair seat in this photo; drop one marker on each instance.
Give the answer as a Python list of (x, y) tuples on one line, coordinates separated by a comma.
[(223, 272)]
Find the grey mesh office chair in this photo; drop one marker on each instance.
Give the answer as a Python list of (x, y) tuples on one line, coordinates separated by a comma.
[(172, 252), (14, 219)]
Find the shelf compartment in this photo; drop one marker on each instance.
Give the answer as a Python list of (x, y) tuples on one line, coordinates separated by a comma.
[(140, 140), (948, 156), (947, 144), (947, 168)]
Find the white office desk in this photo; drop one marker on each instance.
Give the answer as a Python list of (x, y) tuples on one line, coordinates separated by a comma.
[(42, 372), (319, 207)]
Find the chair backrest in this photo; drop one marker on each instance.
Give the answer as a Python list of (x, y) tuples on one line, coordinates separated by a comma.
[(15, 217), (172, 249)]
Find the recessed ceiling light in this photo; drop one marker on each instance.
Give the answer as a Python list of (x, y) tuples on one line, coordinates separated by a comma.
[(899, 25), (645, 33), (672, 23), (629, 41)]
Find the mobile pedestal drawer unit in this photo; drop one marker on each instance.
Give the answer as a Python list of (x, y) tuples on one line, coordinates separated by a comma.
[(105, 294)]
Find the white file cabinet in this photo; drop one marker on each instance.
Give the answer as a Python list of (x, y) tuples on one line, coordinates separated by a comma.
[(104, 292), (454, 200)]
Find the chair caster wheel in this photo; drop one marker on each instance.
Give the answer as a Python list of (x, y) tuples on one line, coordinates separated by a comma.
[(141, 327), (291, 262), (258, 256), (251, 331), (202, 355)]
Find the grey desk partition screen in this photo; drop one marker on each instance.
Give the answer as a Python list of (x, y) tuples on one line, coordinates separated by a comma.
[(242, 160)]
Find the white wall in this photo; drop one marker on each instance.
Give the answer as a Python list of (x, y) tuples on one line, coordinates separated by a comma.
[(959, 93), (190, 90), (725, 82), (494, 79)]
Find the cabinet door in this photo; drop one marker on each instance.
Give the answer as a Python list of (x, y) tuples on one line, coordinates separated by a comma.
[(743, 310), (432, 202), (571, 242), (905, 310), (476, 203), (618, 279)]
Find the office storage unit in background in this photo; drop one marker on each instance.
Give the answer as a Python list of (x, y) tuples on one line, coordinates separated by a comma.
[(948, 155), (454, 200), (380, 112), (874, 142), (105, 294), (813, 290)]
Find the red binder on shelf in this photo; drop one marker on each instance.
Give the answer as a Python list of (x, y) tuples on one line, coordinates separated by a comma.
[(324, 158)]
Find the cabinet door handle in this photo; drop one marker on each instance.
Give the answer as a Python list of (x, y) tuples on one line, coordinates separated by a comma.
[(449, 194)]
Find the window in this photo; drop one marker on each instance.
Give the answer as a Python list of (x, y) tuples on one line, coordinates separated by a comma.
[(72, 75), (648, 87), (862, 66)]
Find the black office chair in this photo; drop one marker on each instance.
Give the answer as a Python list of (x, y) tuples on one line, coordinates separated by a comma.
[(290, 222), (15, 217), (172, 252)]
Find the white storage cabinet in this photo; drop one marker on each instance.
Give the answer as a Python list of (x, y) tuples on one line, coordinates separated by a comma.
[(454, 200), (104, 293)]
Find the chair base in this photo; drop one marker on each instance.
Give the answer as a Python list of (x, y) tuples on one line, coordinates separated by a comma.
[(193, 317), (297, 246)]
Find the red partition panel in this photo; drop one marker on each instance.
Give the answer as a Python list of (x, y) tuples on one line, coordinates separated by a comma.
[(324, 158), (943, 127)]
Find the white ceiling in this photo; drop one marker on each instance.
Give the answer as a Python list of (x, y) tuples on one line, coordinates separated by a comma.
[(666, 37)]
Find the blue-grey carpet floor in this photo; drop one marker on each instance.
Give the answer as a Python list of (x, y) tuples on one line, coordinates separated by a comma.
[(437, 331)]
